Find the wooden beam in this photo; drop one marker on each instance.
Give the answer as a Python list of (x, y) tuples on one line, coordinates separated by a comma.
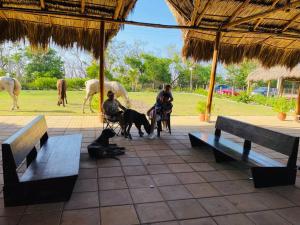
[(101, 63), (119, 8), (263, 14), (194, 13), (82, 6), (212, 76), (201, 15), (93, 18), (261, 19), (288, 24), (268, 90), (43, 5), (238, 10)]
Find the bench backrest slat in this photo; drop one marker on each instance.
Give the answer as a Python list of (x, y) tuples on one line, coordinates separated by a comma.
[(279, 142), (23, 141)]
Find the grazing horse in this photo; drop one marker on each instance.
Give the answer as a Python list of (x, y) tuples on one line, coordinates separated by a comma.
[(92, 88), (13, 87), (62, 92)]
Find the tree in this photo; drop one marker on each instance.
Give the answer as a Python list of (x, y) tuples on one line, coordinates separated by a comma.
[(237, 74), (43, 64)]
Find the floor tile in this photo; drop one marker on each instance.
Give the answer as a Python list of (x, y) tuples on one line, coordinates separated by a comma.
[(87, 173), (134, 170), (81, 217), (118, 215), (165, 179), (267, 218), (171, 159), (187, 209), (110, 172), (211, 176), (290, 214), (175, 192), (246, 202), (151, 160), (234, 187), (180, 168), (202, 190), (131, 162), (10, 220), (190, 178), (218, 206), (143, 195), (84, 185), (156, 169), (201, 166), (115, 197), (45, 218), (108, 162), (83, 200), (202, 221), (273, 200), (139, 181), (46, 207), (154, 212), (235, 219), (112, 183), (166, 223)]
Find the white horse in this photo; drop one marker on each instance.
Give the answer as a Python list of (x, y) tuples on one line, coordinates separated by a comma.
[(13, 87), (92, 88)]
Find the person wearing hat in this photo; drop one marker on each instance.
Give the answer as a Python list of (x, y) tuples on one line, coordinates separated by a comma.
[(113, 109)]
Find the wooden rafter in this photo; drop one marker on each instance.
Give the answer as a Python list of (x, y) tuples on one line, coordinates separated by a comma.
[(119, 8), (194, 13), (238, 11), (200, 17), (263, 14), (82, 6), (288, 24), (43, 5), (261, 19)]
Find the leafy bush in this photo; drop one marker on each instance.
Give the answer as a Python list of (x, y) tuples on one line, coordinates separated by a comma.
[(244, 97), (76, 83), (201, 106), (282, 105), (43, 83)]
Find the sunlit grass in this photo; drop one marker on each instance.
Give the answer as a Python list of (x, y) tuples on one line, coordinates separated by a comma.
[(44, 102)]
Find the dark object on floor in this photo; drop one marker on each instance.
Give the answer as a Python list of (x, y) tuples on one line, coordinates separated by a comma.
[(101, 148), (266, 172), (133, 117), (51, 172)]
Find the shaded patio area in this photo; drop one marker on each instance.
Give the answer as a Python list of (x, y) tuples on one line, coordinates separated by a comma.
[(161, 181)]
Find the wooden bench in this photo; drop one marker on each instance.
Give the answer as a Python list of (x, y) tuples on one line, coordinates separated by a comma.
[(50, 173), (266, 172)]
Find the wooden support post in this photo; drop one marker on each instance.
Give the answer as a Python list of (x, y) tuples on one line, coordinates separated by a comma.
[(101, 72), (212, 76), (298, 105), (268, 91), (281, 87)]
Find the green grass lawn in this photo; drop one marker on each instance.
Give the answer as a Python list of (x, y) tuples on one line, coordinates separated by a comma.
[(44, 102)]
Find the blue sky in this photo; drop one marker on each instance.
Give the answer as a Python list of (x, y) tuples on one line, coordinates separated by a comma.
[(157, 40)]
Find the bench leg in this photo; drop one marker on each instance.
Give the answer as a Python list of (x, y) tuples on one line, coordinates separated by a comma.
[(220, 157), (273, 176)]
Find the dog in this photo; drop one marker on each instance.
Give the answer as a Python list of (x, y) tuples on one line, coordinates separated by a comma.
[(131, 116), (101, 148)]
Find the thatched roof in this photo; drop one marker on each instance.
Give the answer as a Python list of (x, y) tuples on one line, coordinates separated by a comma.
[(275, 73), (65, 22), (271, 32)]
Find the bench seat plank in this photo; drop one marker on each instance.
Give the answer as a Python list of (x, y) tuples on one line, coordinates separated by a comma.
[(235, 150), (58, 157)]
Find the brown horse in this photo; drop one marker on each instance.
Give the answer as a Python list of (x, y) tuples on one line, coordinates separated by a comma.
[(62, 92)]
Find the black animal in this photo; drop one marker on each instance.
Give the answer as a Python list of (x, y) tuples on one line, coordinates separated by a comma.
[(101, 148), (131, 116)]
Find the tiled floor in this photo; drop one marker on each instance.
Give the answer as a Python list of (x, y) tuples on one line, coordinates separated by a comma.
[(162, 181)]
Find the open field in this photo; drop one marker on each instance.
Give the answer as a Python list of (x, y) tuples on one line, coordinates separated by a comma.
[(44, 102)]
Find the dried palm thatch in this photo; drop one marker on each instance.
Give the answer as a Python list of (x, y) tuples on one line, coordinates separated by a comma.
[(275, 73), (67, 23), (267, 30)]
